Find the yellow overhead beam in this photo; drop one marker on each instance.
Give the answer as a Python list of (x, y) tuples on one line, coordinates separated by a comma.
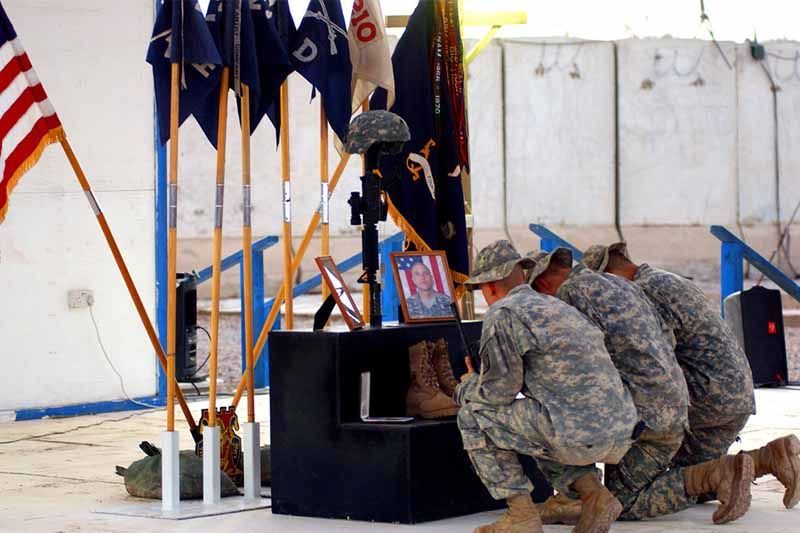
[(480, 45), (471, 18)]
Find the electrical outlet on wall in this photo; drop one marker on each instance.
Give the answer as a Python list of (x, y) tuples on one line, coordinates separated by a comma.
[(80, 298)]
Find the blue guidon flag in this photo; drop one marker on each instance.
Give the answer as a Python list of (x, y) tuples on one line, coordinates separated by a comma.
[(251, 48), (320, 54), (180, 35), (281, 19)]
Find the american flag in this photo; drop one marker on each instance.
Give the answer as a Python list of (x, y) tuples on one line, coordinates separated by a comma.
[(28, 123), (435, 264)]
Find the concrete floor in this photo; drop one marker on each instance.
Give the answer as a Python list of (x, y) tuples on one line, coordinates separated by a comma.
[(55, 473)]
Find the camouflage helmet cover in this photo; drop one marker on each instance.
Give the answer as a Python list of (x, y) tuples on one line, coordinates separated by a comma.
[(372, 127), (495, 262), (541, 261), (596, 256)]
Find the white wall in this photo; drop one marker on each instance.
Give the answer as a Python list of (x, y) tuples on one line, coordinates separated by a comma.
[(560, 120), (89, 55)]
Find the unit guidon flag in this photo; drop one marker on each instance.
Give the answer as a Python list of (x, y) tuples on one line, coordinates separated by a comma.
[(28, 122)]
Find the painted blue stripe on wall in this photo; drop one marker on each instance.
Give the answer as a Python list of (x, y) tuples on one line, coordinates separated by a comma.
[(88, 408)]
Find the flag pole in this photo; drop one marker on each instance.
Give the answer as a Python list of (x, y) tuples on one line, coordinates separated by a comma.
[(287, 205), (126, 275), (172, 241), (170, 445), (325, 247), (216, 268), (252, 434), (247, 251), (279, 297), (211, 433)]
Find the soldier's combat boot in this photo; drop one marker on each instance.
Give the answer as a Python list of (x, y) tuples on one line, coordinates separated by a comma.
[(560, 509), (599, 508), (781, 458), (424, 398), (521, 517), (729, 477), (441, 362)]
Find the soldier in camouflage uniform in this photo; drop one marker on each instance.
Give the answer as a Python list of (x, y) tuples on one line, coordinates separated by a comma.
[(715, 366), (641, 349), (547, 388)]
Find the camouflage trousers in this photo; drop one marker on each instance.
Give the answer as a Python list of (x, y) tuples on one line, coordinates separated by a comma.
[(643, 482), (708, 437), (493, 435)]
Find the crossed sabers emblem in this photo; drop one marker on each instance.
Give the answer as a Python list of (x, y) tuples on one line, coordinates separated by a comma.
[(308, 51), (418, 162)]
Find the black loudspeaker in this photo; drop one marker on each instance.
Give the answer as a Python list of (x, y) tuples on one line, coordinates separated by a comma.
[(185, 327), (756, 317)]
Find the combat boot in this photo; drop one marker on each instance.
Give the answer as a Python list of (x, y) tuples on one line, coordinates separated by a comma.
[(560, 509), (424, 398), (781, 458), (441, 362), (521, 517), (728, 477), (599, 508)]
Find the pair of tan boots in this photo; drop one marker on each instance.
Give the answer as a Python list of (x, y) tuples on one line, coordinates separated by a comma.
[(430, 394)]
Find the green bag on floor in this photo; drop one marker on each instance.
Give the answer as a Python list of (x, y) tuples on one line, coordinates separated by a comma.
[(143, 477)]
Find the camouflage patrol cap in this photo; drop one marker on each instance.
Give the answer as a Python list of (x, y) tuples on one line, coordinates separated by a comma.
[(596, 256), (541, 261), (372, 127), (495, 262)]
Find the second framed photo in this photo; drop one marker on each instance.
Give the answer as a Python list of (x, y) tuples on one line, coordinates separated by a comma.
[(347, 305), (424, 286)]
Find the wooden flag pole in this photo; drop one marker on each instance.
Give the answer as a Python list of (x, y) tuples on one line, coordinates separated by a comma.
[(172, 241), (126, 275), (325, 247), (286, 178), (247, 253), (216, 261)]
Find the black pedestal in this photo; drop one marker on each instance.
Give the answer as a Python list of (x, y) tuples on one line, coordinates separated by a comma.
[(327, 463)]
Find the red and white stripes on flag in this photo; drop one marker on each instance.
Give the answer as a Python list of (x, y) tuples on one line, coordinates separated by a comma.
[(436, 265), (28, 122)]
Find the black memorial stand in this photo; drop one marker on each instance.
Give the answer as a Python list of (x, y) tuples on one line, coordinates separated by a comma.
[(327, 463)]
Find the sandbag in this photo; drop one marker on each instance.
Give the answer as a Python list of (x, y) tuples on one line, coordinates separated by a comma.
[(143, 477)]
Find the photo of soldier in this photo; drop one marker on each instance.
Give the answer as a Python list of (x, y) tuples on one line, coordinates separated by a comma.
[(425, 287)]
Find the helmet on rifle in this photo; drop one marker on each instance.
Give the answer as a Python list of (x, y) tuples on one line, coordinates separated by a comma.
[(382, 128)]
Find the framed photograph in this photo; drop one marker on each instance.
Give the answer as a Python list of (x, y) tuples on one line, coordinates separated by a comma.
[(344, 300), (424, 286)]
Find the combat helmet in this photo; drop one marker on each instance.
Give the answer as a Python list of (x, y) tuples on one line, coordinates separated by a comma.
[(369, 128)]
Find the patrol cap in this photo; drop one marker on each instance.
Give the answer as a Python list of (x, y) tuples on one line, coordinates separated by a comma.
[(596, 256), (495, 262), (371, 127), (541, 261)]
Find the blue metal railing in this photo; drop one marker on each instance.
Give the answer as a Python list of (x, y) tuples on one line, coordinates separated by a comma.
[(733, 252), (549, 241), (262, 306)]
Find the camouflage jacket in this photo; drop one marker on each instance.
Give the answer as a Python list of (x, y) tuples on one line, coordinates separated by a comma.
[(440, 306), (536, 345), (715, 366), (637, 342)]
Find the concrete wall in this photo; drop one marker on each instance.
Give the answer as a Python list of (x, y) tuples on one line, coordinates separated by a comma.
[(696, 146), (89, 55)]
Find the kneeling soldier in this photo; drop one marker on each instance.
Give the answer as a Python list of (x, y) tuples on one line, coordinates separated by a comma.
[(547, 388), (716, 369), (641, 348)]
